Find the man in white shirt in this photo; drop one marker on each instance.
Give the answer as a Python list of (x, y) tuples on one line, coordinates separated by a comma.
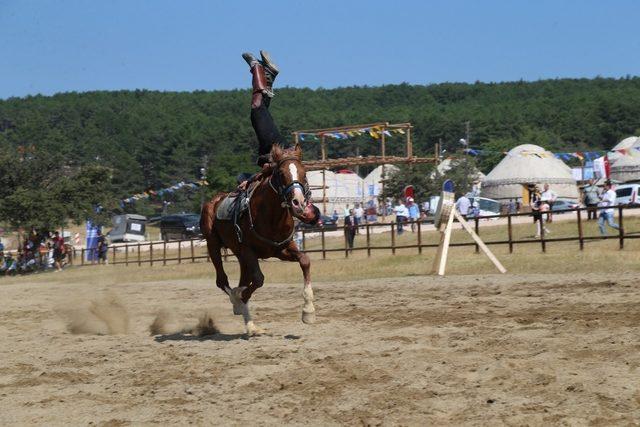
[(359, 212), (607, 200), (463, 204), (548, 196), (402, 213)]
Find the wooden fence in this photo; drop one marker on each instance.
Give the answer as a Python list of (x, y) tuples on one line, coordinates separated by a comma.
[(155, 253)]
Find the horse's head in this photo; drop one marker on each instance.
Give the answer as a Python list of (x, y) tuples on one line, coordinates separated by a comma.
[(289, 179)]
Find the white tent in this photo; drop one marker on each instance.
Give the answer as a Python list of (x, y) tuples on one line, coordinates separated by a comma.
[(528, 164), (625, 167), (342, 189), (373, 181)]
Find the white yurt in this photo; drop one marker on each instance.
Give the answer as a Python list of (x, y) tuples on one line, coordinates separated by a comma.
[(625, 166), (343, 188), (373, 181), (528, 164)]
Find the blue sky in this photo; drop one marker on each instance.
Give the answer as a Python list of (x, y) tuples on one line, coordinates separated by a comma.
[(58, 46)]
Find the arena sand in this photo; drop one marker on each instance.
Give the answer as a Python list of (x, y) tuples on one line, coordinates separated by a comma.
[(516, 350)]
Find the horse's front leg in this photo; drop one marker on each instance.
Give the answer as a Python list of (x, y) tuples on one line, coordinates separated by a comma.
[(292, 253)]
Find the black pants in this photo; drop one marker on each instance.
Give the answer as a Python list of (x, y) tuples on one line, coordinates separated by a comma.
[(266, 130), (351, 234)]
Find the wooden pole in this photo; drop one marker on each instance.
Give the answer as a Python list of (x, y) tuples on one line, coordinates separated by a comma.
[(164, 253), (151, 253), (440, 261), (409, 142), (368, 241), (419, 237), (476, 221), (621, 227), (323, 152), (393, 238), (193, 255), (139, 258), (479, 241), (179, 251), (580, 235), (324, 252), (126, 254), (542, 241), (510, 231)]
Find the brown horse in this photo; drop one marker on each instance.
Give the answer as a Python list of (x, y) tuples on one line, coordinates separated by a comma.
[(267, 229)]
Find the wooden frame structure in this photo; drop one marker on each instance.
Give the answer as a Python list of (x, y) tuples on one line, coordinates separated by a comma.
[(379, 130)]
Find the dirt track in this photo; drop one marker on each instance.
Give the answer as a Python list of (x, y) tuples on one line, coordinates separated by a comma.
[(514, 349)]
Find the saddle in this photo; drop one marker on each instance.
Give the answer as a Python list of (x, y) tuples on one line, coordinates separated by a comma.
[(233, 207)]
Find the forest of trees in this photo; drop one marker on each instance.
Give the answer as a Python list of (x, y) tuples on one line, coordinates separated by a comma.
[(150, 140)]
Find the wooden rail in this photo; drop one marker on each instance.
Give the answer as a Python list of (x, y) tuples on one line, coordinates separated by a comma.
[(157, 252)]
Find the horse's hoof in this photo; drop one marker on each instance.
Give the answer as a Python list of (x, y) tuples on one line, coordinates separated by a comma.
[(309, 317), (254, 331)]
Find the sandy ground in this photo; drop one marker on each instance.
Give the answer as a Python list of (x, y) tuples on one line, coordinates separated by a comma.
[(515, 350)]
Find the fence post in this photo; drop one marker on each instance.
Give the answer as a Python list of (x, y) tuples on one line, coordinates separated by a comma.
[(139, 258), (542, 241), (126, 254), (393, 238), (179, 251), (193, 256), (82, 256), (477, 227), (346, 245), (164, 253), (324, 252), (419, 236), (580, 235), (510, 232), (113, 260), (151, 253), (368, 240), (621, 227)]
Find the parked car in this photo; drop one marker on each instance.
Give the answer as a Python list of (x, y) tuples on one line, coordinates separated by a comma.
[(487, 207), (326, 222), (627, 194), (127, 228), (182, 226), (564, 204)]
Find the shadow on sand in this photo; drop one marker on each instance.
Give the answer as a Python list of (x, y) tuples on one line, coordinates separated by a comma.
[(188, 337)]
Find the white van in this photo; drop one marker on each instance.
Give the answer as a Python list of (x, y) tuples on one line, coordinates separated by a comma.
[(627, 194)]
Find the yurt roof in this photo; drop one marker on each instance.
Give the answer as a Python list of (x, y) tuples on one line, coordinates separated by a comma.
[(630, 142), (631, 158), (375, 175), (529, 163)]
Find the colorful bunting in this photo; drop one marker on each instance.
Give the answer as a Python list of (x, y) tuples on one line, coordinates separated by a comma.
[(161, 192)]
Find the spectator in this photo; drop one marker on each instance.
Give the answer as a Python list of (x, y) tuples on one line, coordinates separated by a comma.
[(346, 211), (350, 226), (359, 213), (9, 265), (103, 248), (537, 209), (607, 200), (512, 208), (425, 207), (414, 212), (549, 197), (591, 199), (58, 250), (371, 211), (335, 215), (402, 213), (462, 205)]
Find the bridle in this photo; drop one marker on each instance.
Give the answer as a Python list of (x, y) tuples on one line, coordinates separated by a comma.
[(283, 191)]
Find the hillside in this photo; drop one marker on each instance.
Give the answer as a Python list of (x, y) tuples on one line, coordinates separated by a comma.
[(153, 139)]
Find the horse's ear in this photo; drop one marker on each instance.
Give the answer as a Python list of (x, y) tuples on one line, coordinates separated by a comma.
[(276, 152), (297, 150)]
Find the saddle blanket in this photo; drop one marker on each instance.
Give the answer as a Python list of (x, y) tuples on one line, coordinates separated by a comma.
[(231, 208)]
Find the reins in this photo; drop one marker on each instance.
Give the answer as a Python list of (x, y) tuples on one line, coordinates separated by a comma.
[(282, 192)]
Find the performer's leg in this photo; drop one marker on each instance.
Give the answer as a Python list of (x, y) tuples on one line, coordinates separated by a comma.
[(264, 73)]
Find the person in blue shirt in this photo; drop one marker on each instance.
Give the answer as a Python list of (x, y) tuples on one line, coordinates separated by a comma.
[(414, 212)]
